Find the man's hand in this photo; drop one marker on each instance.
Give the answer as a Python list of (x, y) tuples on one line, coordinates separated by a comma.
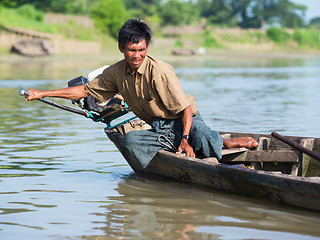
[(34, 94), (187, 123), (186, 148)]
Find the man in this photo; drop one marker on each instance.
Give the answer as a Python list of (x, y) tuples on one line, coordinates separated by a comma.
[(154, 93)]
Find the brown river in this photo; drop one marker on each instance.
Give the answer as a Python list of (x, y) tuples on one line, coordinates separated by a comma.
[(61, 178)]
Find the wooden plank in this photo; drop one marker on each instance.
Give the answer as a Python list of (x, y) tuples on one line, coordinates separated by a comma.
[(263, 144), (233, 150), (283, 156), (300, 168), (226, 135), (307, 143)]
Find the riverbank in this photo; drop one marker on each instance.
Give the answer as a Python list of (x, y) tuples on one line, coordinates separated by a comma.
[(95, 53), (163, 47), (112, 55)]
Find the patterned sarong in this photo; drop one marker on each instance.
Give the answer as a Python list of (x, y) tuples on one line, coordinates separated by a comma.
[(144, 144)]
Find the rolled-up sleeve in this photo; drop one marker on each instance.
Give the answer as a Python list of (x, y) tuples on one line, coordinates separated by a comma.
[(102, 87)]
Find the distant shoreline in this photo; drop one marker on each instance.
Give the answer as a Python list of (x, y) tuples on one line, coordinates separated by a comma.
[(213, 54)]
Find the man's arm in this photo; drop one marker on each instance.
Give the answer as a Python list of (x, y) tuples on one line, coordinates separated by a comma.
[(187, 123), (69, 93)]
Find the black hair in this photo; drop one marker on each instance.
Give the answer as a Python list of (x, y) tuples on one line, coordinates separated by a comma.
[(134, 30)]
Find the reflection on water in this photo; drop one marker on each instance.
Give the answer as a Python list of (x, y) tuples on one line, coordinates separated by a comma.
[(147, 208), (60, 177)]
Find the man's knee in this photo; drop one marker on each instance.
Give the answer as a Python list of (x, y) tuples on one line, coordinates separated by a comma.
[(201, 129), (130, 139), (133, 138)]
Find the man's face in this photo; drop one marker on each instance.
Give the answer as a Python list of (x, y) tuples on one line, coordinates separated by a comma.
[(134, 53)]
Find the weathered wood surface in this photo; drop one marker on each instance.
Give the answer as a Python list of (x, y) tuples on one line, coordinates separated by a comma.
[(264, 156), (239, 178), (296, 146), (233, 151)]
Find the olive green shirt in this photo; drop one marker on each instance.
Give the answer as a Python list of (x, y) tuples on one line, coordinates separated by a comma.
[(153, 91)]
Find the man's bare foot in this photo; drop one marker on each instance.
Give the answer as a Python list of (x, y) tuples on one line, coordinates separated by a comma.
[(247, 142)]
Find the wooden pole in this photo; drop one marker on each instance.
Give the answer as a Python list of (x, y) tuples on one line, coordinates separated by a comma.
[(296, 146)]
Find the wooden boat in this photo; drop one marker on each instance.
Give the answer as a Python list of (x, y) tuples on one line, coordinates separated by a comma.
[(273, 170)]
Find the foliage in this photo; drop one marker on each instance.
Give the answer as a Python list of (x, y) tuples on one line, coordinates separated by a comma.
[(180, 13), (19, 18), (307, 38), (257, 37), (8, 3), (209, 40), (28, 11), (278, 35), (217, 12), (290, 14), (73, 30), (252, 13), (178, 43), (60, 6), (143, 8), (243, 13), (109, 16), (68, 6), (315, 23)]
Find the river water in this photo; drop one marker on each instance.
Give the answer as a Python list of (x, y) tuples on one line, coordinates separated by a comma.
[(61, 178)]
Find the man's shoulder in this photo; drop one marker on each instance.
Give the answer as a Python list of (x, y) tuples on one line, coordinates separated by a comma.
[(159, 65), (118, 65), (114, 70)]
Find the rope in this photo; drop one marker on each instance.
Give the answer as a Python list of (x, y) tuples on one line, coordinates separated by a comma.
[(171, 146)]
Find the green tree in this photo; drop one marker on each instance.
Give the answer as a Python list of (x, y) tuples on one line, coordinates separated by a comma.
[(277, 35), (217, 12), (315, 23), (307, 38), (8, 3), (142, 8), (252, 13), (61, 6), (109, 16), (245, 10), (243, 13), (28, 11), (68, 6), (293, 16), (175, 12), (255, 13)]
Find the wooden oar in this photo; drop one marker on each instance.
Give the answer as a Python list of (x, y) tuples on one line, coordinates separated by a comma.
[(23, 92), (296, 146)]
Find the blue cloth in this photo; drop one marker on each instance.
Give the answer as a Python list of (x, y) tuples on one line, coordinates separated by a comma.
[(144, 144)]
